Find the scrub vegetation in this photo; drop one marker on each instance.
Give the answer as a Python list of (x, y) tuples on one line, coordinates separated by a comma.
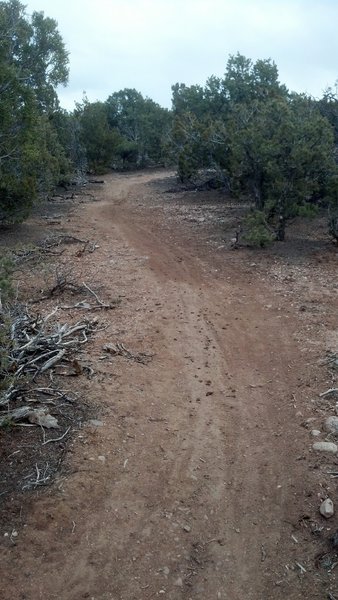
[(245, 133)]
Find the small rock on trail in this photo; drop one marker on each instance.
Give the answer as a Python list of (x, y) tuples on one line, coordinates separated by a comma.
[(326, 508), (325, 447), (331, 425)]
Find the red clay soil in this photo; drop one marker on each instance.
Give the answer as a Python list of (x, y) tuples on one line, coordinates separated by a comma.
[(201, 482)]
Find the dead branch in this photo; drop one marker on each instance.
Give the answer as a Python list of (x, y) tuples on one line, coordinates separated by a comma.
[(100, 303), (56, 439), (30, 253), (19, 414), (57, 240), (82, 250), (37, 345), (88, 194), (64, 281), (52, 361), (87, 306), (35, 416), (7, 396), (42, 477), (120, 350), (300, 567), (51, 246), (330, 391), (49, 391), (80, 305)]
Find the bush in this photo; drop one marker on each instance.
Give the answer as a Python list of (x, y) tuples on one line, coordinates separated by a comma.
[(6, 285), (257, 232), (333, 223)]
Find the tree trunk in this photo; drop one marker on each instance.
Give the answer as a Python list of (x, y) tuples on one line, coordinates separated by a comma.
[(280, 233)]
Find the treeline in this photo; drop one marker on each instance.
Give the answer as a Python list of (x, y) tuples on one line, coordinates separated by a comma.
[(42, 145), (124, 132), (269, 147), (244, 132)]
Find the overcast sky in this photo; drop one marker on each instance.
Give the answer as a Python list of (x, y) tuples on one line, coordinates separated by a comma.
[(151, 44)]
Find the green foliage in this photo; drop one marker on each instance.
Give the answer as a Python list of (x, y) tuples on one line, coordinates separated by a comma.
[(187, 167), (270, 147), (128, 153), (67, 128), (124, 132), (7, 423), (6, 285), (328, 106), (280, 156), (33, 61), (97, 137), (245, 81), (187, 99), (333, 223), (142, 125), (333, 208), (257, 231)]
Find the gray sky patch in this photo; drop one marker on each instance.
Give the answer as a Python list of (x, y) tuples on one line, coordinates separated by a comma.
[(151, 44)]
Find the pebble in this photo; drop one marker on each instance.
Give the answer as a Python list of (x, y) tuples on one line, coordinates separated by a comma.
[(326, 508), (102, 459), (179, 582), (95, 423), (325, 447), (187, 528), (331, 425), (315, 432)]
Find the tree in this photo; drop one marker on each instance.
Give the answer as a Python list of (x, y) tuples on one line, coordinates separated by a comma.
[(100, 141), (245, 81), (142, 124), (67, 126), (328, 106), (281, 156), (191, 143), (266, 145), (32, 53), (188, 99), (33, 61)]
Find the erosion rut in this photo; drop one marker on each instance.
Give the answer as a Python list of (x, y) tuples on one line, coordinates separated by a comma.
[(190, 488)]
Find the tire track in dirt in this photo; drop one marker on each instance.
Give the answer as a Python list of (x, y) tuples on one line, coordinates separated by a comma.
[(254, 484), (199, 481)]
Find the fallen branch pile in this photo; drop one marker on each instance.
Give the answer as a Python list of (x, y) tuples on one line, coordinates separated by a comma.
[(64, 282), (36, 347), (83, 304), (51, 245)]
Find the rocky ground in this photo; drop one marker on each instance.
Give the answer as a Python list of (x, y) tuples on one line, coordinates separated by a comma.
[(191, 467)]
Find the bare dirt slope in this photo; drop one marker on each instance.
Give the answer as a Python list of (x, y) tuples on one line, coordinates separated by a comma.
[(200, 484)]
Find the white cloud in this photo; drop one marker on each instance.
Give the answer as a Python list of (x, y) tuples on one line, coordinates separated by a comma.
[(151, 44)]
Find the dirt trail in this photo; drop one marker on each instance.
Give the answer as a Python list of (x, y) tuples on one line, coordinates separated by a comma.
[(192, 486)]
